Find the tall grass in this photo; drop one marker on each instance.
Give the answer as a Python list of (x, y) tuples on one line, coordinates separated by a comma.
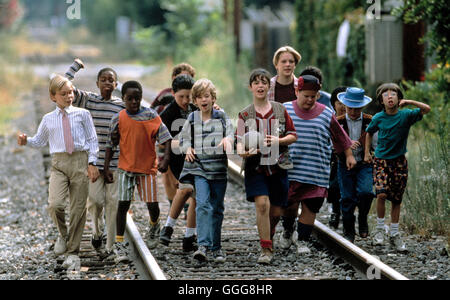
[(427, 203)]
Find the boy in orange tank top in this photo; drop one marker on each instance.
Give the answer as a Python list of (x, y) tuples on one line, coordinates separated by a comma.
[(136, 129)]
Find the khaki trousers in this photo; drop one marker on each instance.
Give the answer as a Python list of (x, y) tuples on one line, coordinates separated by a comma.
[(102, 195), (68, 176)]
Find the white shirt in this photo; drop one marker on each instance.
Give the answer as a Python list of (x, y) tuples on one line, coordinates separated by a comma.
[(354, 132), (81, 126)]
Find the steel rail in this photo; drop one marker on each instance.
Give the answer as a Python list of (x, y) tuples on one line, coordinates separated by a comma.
[(368, 265), (151, 267)]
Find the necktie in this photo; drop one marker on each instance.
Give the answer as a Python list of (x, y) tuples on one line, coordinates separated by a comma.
[(68, 140)]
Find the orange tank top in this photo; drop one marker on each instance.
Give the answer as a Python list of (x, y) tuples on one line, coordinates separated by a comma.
[(137, 144)]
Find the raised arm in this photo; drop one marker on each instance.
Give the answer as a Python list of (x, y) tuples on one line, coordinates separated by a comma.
[(424, 108)]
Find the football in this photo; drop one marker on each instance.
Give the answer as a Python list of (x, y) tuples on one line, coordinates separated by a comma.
[(253, 140)]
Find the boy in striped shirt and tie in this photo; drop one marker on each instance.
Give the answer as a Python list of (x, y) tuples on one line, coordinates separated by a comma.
[(73, 144), (318, 133), (102, 196)]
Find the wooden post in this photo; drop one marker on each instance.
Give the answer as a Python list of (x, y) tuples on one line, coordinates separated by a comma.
[(413, 51)]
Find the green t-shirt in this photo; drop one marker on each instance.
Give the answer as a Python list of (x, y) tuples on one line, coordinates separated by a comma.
[(393, 131)]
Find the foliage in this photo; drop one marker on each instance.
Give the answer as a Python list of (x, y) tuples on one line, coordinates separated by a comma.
[(10, 11), (185, 29), (437, 14), (435, 91), (316, 31), (427, 202)]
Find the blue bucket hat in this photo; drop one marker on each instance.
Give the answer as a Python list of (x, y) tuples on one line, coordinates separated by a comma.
[(354, 97)]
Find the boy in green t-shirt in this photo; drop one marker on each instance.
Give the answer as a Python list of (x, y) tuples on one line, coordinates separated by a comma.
[(390, 164)]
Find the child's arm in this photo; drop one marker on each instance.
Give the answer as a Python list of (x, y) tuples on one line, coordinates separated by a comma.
[(368, 144), (92, 141), (37, 141), (164, 139), (342, 142), (424, 108), (109, 178), (81, 97)]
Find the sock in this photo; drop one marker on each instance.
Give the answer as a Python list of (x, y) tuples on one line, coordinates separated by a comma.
[(153, 211), (119, 239), (171, 222), (394, 229), (380, 223), (266, 244), (288, 223), (190, 232), (304, 231)]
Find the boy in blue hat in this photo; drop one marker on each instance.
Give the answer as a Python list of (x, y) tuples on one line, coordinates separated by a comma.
[(356, 185), (390, 164)]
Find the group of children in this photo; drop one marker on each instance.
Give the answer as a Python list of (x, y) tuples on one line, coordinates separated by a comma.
[(286, 137)]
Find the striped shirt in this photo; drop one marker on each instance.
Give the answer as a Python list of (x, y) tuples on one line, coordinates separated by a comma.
[(102, 112), (81, 126), (318, 132), (211, 162)]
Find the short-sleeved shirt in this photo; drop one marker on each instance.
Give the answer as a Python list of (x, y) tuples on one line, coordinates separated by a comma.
[(130, 149), (393, 131), (284, 93), (253, 163)]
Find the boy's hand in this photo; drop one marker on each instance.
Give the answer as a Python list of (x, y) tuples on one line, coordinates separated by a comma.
[(350, 162), (355, 145), (251, 152), (270, 140), (80, 62), (190, 154), (108, 176), (22, 139), (163, 165), (367, 158), (226, 144), (93, 173)]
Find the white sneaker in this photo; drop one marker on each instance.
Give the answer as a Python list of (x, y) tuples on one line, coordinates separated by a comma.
[(60, 246), (378, 237), (302, 248), (398, 243), (287, 239), (266, 256), (72, 261)]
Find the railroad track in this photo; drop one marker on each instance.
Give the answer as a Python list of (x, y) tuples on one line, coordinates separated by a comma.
[(331, 253)]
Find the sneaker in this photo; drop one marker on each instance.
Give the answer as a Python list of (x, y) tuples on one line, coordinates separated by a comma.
[(190, 243), (165, 235), (96, 243), (287, 239), (121, 252), (219, 256), (397, 242), (152, 235), (200, 254), (266, 256), (302, 247), (378, 237), (334, 220), (60, 246), (72, 261)]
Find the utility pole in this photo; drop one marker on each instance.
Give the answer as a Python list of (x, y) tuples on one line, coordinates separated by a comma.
[(237, 24)]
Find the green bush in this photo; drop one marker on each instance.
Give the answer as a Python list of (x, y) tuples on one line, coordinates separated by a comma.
[(427, 204)]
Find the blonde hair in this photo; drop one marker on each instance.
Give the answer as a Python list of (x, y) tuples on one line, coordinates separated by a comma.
[(201, 86), (284, 49), (56, 84)]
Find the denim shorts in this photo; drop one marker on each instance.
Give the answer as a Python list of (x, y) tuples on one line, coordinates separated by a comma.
[(275, 186)]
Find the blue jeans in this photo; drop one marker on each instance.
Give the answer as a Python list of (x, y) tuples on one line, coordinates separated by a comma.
[(210, 196), (356, 187)]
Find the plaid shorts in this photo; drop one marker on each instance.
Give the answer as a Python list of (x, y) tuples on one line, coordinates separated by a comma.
[(390, 177), (146, 186)]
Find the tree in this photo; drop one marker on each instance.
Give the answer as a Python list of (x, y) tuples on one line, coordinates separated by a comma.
[(437, 14)]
